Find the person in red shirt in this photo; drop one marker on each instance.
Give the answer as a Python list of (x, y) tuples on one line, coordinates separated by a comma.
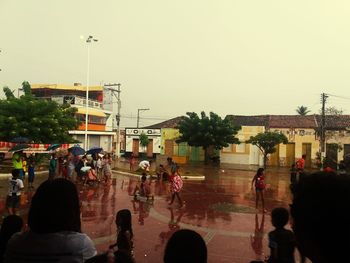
[(300, 165)]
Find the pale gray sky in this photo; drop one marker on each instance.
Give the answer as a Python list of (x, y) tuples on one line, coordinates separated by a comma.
[(227, 56)]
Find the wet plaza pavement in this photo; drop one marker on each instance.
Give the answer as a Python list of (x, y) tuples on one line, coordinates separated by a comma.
[(221, 208)]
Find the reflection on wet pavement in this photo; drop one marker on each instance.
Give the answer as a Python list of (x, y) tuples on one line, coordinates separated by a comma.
[(221, 208)]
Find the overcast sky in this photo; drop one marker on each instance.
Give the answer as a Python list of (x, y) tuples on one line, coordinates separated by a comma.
[(231, 57)]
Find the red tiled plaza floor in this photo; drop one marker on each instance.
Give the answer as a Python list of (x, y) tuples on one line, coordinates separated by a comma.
[(221, 208)]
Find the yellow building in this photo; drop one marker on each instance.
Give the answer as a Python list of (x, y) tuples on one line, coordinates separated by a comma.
[(300, 131)]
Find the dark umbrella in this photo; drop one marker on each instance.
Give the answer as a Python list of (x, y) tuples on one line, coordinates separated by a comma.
[(94, 150), (76, 150), (20, 140), (53, 147), (19, 147)]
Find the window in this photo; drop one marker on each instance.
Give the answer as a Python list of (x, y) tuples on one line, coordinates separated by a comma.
[(240, 148), (227, 149)]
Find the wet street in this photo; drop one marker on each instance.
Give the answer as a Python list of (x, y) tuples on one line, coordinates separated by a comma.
[(221, 208)]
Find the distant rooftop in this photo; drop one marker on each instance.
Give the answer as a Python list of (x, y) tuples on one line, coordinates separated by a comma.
[(340, 122), (172, 123), (76, 86)]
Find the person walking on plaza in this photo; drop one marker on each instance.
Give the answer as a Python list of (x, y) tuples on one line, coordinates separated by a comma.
[(52, 166), (31, 171), (281, 241), (176, 184), (106, 169), (300, 165), (17, 164), (24, 167), (99, 167), (14, 192), (259, 182), (132, 161)]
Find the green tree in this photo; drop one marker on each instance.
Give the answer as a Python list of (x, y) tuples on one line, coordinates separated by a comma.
[(210, 132), (41, 120), (267, 142), (144, 140), (8, 93), (302, 110)]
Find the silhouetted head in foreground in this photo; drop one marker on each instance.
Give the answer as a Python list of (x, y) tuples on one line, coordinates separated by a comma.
[(321, 221), (55, 207), (123, 221), (279, 217), (185, 246), (11, 224)]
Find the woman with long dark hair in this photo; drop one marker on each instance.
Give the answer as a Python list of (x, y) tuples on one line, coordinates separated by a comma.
[(55, 228)]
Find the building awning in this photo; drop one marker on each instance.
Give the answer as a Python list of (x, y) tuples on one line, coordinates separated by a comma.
[(92, 112), (65, 87)]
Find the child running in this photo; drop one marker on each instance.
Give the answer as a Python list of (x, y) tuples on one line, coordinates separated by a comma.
[(259, 181)]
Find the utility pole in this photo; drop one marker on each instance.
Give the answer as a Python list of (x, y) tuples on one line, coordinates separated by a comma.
[(138, 116), (116, 117), (323, 127)]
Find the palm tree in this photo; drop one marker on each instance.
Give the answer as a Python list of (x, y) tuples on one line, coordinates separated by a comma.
[(302, 110)]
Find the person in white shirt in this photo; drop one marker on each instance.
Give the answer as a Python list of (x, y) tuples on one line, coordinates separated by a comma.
[(14, 193), (55, 228), (145, 165)]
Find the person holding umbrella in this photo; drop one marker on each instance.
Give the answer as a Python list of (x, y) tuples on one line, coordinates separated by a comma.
[(18, 164)]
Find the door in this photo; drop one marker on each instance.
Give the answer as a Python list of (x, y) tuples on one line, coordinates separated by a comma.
[(346, 151), (274, 159), (195, 154), (307, 151), (150, 148), (331, 155), (290, 154), (135, 147), (169, 148)]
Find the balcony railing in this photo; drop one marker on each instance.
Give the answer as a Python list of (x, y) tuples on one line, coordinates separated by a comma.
[(76, 100)]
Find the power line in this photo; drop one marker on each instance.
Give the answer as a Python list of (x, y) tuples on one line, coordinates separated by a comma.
[(340, 97)]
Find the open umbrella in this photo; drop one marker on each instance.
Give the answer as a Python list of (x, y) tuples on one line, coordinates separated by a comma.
[(20, 140), (94, 150), (53, 147), (19, 147), (76, 150)]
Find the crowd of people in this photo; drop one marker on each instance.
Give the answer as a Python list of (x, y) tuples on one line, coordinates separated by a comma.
[(54, 232), (67, 165), (318, 217)]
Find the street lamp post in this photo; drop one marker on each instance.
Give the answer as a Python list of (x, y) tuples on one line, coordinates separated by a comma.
[(88, 41), (138, 115)]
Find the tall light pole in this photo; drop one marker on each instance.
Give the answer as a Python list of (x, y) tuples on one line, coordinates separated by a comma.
[(89, 40), (138, 116)]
